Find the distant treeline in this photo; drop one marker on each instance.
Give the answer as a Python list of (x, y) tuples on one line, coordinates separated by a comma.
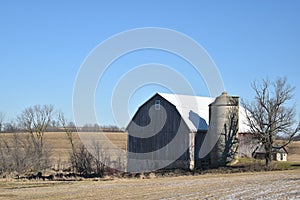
[(97, 128), (296, 138), (12, 127)]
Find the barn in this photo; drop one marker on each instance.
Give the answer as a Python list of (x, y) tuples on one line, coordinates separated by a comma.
[(169, 130)]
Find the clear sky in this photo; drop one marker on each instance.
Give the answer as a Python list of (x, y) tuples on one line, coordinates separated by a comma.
[(44, 43)]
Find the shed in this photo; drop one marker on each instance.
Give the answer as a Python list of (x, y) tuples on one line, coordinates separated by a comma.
[(278, 154)]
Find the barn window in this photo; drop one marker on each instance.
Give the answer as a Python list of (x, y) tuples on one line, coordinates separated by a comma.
[(157, 104)]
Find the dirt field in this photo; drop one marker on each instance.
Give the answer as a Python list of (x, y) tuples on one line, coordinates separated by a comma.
[(260, 185)]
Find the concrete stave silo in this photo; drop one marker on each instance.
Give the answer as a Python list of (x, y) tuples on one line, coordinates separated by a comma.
[(223, 129)]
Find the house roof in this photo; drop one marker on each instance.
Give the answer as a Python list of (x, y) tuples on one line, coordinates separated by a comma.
[(195, 110)]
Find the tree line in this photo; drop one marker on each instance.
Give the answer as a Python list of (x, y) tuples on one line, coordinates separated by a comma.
[(55, 126)]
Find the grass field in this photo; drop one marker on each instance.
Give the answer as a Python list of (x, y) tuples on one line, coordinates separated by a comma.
[(259, 185)]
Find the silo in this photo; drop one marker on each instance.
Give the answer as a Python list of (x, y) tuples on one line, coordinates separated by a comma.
[(221, 112)]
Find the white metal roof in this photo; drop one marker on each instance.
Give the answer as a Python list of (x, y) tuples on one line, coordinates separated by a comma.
[(195, 110)]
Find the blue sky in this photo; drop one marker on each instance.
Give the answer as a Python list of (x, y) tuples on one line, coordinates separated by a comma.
[(44, 43)]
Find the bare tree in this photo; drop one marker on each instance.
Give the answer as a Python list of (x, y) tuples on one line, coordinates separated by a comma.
[(18, 155), (268, 115), (99, 156), (69, 132), (5, 158), (81, 159), (35, 121), (10, 127), (2, 118), (27, 151)]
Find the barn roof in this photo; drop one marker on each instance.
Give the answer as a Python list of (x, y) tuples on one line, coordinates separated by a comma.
[(195, 110)]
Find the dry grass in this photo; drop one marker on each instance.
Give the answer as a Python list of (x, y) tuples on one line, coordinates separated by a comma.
[(294, 151), (263, 185), (61, 147)]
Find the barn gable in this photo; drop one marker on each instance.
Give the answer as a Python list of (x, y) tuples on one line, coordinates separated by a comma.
[(151, 133)]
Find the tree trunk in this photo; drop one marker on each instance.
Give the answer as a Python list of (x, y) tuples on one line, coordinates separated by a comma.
[(268, 160), (268, 155)]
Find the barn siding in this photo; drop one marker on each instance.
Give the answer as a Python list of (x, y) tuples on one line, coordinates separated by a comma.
[(163, 137), (199, 139)]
